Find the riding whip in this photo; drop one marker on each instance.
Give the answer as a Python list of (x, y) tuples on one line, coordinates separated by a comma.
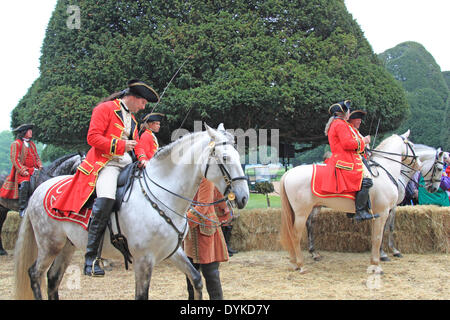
[(173, 77), (376, 133)]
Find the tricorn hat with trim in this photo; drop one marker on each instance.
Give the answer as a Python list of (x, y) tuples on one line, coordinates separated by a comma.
[(23, 127), (153, 117), (357, 114), (342, 106), (143, 90)]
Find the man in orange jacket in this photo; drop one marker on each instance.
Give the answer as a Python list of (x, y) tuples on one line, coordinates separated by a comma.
[(205, 245), (112, 135)]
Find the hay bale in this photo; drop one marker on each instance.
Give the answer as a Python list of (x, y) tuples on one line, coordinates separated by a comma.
[(10, 230), (418, 229)]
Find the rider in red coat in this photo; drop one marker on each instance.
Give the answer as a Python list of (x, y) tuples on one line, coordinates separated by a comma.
[(112, 135), (25, 159), (148, 141), (346, 169)]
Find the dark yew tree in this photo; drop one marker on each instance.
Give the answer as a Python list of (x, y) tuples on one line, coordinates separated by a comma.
[(251, 64)]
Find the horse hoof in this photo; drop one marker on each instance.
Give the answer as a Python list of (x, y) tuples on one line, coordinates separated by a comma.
[(302, 270), (316, 257), (3, 252), (385, 259), (398, 255), (373, 269)]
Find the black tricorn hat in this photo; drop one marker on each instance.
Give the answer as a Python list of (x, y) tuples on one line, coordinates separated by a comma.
[(23, 127), (143, 90), (357, 114), (342, 106), (153, 117)]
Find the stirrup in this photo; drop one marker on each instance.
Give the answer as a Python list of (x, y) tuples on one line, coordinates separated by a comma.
[(92, 273)]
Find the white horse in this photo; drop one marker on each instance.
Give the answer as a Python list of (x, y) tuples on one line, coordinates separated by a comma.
[(432, 167), (173, 176), (297, 200)]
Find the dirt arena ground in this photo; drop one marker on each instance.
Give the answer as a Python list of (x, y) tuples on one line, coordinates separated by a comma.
[(264, 275)]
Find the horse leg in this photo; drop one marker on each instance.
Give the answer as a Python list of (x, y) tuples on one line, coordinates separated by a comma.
[(310, 229), (143, 273), (383, 255), (3, 214), (377, 235), (396, 252), (36, 272), (299, 226), (57, 270), (181, 261)]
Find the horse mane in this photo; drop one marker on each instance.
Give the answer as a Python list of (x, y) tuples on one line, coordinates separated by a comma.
[(386, 141), (56, 163), (166, 150)]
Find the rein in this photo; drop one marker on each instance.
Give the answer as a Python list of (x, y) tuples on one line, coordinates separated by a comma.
[(404, 157)]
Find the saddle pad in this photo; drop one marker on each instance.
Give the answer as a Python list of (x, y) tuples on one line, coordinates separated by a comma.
[(82, 218), (319, 177)]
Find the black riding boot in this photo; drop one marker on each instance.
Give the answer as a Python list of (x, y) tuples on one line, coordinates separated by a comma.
[(362, 201), (226, 230), (100, 215), (2, 250), (24, 190), (212, 280)]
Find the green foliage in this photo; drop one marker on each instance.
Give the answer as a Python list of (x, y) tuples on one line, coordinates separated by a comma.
[(427, 93), (264, 187), (252, 64)]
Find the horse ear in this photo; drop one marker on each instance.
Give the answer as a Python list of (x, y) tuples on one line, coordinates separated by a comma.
[(210, 131), (221, 127), (406, 134)]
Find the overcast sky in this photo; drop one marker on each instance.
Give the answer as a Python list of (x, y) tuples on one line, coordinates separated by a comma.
[(385, 23)]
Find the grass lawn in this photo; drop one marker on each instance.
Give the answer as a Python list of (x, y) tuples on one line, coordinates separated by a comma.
[(259, 201)]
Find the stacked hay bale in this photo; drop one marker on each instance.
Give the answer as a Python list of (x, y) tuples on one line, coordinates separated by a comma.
[(418, 229), (10, 230)]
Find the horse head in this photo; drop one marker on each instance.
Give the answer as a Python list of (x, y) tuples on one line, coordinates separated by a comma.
[(409, 157), (223, 166), (433, 167)]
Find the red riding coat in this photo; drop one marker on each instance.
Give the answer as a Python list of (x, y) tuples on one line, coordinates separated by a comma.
[(149, 143), (104, 134), (24, 159), (345, 167)]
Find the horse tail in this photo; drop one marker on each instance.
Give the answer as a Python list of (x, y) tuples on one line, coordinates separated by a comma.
[(25, 254), (287, 220)]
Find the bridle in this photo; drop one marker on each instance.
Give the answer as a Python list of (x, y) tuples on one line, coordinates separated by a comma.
[(228, 195), (382, 154), (225, 174), (404, 157), (433, 169)]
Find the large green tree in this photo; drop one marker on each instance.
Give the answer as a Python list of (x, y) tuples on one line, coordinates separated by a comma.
[(427, 92), (251, 64)]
